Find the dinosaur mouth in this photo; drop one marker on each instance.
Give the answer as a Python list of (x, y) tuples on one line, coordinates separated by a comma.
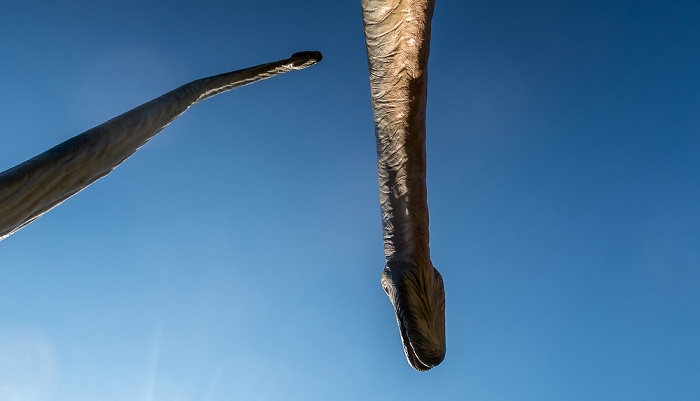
[(409, 350)]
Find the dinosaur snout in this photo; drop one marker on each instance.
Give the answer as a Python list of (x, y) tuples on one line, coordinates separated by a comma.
[(418, 296), (302, 60)]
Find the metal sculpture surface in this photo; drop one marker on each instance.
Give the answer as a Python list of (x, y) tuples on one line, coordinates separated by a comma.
[(34, 187), (397, 35)]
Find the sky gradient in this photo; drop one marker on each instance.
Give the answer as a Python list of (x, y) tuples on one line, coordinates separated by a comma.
[(238, 254)]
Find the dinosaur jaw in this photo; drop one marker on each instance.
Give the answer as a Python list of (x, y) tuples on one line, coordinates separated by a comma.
[(408, 349), (419, 303)]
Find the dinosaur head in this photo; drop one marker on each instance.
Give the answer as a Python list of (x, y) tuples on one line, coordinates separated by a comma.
[(302, 60), (418, 296)]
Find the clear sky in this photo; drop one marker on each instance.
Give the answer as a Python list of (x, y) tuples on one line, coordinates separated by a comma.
[(237, 255)]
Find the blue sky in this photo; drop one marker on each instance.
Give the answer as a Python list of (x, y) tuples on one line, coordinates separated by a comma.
[(238, 254)]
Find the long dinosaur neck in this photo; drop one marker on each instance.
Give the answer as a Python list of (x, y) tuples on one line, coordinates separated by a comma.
[(34, 187), (397, 34)]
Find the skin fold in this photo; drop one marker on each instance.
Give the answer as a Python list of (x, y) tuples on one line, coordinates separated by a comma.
[(397, 35), (34, 187)]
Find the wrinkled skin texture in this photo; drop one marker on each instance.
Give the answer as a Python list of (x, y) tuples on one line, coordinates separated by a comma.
[(34, 187), (397, 35)]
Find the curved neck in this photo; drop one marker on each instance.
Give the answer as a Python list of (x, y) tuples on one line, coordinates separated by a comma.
[(34, 187)]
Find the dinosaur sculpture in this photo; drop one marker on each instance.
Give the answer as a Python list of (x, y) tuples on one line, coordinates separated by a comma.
[(34, 187), (397, 35)]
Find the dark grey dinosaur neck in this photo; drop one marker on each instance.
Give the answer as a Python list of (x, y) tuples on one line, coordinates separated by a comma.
[(34, 187)]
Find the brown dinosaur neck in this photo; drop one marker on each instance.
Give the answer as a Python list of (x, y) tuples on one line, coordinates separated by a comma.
[(397, 35)]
